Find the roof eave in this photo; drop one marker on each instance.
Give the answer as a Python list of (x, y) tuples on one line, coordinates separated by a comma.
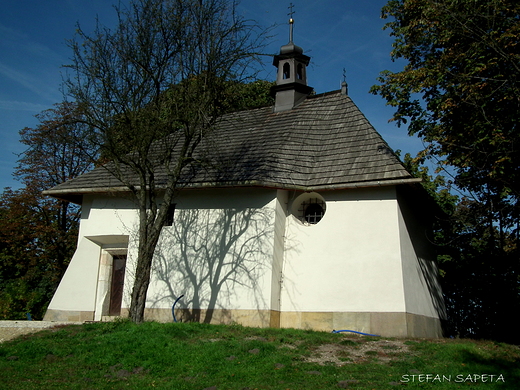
[(72, 195)]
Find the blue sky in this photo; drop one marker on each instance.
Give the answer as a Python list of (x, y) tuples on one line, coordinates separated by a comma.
[(336, 34)]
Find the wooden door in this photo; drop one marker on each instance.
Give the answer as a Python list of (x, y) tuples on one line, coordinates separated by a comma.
[(116, 287)]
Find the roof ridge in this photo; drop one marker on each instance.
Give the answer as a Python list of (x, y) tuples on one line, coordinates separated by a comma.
[(318, 95)]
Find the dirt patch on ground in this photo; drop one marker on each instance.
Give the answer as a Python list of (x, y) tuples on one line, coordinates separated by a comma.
[(351, 351), (11, 333), (12, 329)]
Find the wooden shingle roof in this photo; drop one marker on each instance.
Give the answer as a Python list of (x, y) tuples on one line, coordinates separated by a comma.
[(324, 143)]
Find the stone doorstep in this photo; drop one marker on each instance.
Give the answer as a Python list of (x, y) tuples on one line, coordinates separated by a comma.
[(35, 324)]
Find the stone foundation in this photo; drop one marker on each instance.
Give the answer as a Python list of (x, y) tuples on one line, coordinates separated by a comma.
[(253, 318), (68, 315), (383, 324)]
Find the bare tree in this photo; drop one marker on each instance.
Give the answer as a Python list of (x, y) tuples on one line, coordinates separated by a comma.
[(153, 88)]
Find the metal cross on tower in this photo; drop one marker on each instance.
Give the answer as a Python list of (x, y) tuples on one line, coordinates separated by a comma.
[(291, 21), (291, 12)]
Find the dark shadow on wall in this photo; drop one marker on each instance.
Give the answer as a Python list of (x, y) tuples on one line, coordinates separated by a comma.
[(419, 223), (208, 254)]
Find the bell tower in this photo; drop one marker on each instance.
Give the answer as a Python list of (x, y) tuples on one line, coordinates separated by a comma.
[(291, 81)]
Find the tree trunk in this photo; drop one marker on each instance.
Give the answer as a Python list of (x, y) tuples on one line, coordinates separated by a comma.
[(149, 233), (141, 282), (150, 227)]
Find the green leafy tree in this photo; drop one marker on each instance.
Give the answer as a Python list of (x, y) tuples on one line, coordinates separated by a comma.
[(459, 92), (478, 273), (460, 88), (151, 89), (245, 96), (29, 269), (38, 234)]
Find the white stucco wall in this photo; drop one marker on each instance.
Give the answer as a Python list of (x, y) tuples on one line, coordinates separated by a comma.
[(218, 252), (107, 215), (279, 242), (350, 260), (243, 249), (77, 290), (105, 224)]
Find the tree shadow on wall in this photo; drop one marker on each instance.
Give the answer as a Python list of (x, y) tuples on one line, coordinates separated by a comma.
[(214, 257)]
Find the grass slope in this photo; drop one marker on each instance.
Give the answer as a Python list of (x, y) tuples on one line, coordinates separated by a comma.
[(122, 355)]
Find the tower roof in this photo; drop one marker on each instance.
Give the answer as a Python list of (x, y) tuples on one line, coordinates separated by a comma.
[(290, 48), (291, 87)]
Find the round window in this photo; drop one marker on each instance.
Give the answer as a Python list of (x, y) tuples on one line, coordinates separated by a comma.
[(309, 208), (313, 213)]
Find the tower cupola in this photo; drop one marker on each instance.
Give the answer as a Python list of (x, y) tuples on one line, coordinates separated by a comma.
[(291, 81)]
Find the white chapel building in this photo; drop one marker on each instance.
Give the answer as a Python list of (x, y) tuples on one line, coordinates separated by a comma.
[(310, 221)]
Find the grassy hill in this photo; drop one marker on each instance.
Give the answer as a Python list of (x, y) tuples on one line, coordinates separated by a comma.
[(122, 355)]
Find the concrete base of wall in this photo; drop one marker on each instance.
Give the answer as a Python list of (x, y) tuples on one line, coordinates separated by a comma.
[(68, 315), (254, 318), (383, 324)]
